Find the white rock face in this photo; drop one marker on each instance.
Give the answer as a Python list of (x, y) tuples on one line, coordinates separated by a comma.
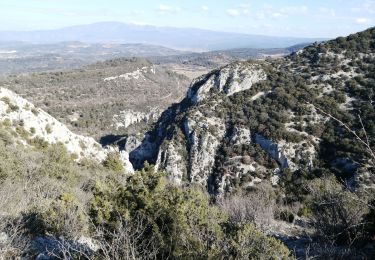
[(143, 151), (135, 75), (187, 145), (124, 157), (230, 79), (172, 162), (241, 136), (40, 124), (127, 118), (204, 140), (285, 152), (272, 149), (259, 95), (195, 157), (89, 243), (3, 238)]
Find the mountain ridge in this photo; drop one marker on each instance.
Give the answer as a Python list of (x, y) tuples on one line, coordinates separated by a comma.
[(195, 140), (178, 38)]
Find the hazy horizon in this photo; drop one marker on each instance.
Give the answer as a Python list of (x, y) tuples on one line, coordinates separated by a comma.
[(155, 26), (293, 18)]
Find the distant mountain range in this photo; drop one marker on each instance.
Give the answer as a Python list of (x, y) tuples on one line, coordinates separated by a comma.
[(178, 38), (24, 57)]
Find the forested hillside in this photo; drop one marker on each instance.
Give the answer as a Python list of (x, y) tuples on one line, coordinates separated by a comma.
[(104, 97), (303, 124)]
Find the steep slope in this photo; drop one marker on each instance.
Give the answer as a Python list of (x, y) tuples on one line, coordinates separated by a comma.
[(33, 127), (257, 121), (106, 97)]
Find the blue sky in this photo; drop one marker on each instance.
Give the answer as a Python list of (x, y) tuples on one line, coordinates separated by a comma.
[(308, 18)]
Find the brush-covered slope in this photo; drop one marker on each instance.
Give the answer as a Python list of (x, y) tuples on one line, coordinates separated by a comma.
[(26, 57), (106, 97), (250, 122), (23, 123)]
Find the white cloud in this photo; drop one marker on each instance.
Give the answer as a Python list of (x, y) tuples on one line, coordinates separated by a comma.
[(277, 15), (137, 12), (269, 11), (165, 8), (368, 6), (327, 11), (245, 6), (205, 8), (362, 20), (233, 12), (290, 10), (168, 9), (238, 11)]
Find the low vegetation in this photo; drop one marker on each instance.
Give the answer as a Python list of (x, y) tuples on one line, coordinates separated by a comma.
[(87, 103), (324, 207), (127, 217)]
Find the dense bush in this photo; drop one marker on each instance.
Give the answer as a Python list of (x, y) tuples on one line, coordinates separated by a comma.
[(113, 162), (179, 222), (337, 214)]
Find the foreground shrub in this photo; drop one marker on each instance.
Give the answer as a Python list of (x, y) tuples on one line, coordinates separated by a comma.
[(63, 218), (247, 242), (58, 163), (337, 214), (113, 162), (174, 222)]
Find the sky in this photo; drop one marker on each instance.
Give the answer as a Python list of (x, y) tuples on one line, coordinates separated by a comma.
[(300, 18)]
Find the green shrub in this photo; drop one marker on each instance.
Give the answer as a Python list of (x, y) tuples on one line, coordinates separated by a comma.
[(22, 132), (180, 222), (6, 100), (58, 164), (248, 243), (286, 215), (48, 129), (113, 162), (336, 213), (38, 142), (11, 107), (34, 111), (6, 122), (5, 137), (64, 218)]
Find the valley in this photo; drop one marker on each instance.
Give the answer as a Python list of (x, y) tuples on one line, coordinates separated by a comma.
[(127, 150), (105, 97)]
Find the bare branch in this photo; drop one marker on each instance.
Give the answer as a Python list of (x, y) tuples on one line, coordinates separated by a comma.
[(366, 142)]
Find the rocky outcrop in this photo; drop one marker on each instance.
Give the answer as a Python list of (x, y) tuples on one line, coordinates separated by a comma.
[(186, 147), (204, 137), (171, 159), (229, 80), (127, 118), (272, 149), (250, 122), (288, 154), (134, 75)]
